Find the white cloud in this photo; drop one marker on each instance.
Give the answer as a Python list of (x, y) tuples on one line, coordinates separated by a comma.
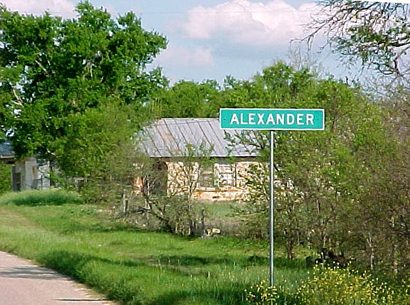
[(63, 8), (249, 23), (186, 57)]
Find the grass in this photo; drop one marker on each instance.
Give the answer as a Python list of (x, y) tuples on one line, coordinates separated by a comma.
[(221, 215), (137, 267), (35, 197), (220, 210)]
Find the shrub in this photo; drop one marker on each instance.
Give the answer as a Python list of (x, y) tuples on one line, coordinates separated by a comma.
[(175, 214), (43, 197), (261, 294), (344, 287), (5, 183)]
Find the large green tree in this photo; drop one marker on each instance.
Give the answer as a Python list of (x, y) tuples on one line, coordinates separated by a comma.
[(187, 99), (53, 69)]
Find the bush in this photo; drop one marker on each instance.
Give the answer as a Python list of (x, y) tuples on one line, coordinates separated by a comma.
[(5, 183), (262, 294), (344, 287), (43, 197), (332, 286), (175, 214)]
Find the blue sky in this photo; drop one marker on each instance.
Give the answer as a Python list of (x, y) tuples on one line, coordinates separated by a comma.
[(211, 39)]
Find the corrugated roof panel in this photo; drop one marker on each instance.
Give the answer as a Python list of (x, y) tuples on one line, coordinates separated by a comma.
[(204, 131), (177, 137), (148, 143), (245, 149), (160, 134), (208, 130), (190, 132), (215, 134), (170, 137)]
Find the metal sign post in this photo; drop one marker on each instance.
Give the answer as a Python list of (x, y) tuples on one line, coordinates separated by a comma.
[(272, 119), (271, 210)]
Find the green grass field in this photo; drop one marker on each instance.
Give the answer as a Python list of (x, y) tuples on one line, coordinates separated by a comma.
[(139, 267), (152, 268)]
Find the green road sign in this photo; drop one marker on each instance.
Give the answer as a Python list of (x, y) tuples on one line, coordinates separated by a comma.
[(272, 119)]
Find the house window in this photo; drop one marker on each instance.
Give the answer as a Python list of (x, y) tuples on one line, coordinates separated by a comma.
[(218, 175), (207, 176), (226, 174)]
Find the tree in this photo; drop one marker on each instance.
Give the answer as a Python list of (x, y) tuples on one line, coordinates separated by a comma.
[(384, 227), (344, 188), (377, 33), (187, 99), (98, 153), (319, 174), (54, 69)]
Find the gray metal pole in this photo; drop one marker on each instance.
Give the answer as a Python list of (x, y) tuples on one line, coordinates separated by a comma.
[(271, 210)]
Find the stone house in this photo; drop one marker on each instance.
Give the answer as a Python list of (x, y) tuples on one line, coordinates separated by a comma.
[(195, 156)]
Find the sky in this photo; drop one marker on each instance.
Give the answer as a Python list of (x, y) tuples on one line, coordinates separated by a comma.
[(210, 39)]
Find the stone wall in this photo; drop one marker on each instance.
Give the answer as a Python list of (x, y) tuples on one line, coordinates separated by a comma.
[(225, 180)]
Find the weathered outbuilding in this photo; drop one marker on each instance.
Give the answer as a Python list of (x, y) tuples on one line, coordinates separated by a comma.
[(26, 173), (195, 155)]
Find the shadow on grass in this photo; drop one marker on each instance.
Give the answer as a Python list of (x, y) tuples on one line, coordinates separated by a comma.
[(122, 287), (190, 260), (223, 295), (116, 287), (72, 264), (103, 228), (254, 260)]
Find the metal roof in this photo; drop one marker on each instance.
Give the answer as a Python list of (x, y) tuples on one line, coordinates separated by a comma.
[(6, 150), (170, 137)]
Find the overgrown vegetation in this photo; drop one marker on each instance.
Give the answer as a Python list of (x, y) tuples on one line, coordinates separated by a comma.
[(142, 267), (5, 181), (336, 188), (167, 190), (347, 287), (330, 286), (45, 197), (138, 267)]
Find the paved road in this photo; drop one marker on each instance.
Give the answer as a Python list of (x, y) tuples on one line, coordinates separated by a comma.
[(23, 283)]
